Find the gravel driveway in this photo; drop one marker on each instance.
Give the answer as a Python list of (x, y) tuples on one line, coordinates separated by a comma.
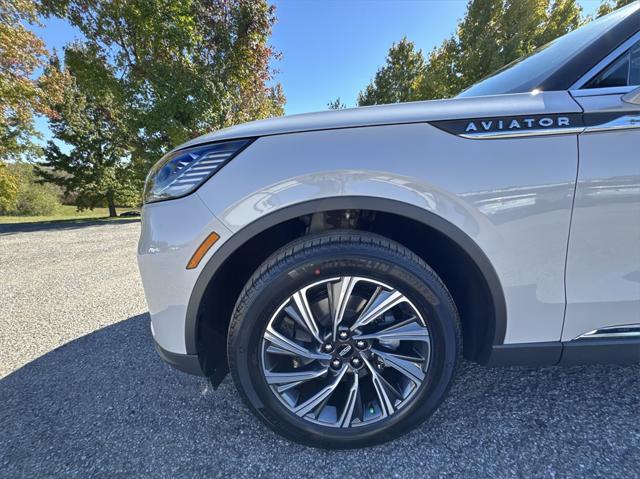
[(82, 392)]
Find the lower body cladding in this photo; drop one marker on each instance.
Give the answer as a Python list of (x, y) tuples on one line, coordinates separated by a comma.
[(569, 353)]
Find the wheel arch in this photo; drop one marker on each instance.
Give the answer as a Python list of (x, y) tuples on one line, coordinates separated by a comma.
[(270, 232)]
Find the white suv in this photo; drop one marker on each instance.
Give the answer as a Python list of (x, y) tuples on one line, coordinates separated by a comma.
[(339, 264)]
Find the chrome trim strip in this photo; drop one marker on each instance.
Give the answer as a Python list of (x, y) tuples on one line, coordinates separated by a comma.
[(615, 90), (622, 331), (606, 61), (627, 122), (490, 135)]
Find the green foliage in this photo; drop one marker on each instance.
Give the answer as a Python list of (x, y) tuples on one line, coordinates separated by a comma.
[(90, 118), (336, 105), (492, 34), (8, 189), (21, 53), (32, 198), (182, 68), (608, 6), (399, 79)]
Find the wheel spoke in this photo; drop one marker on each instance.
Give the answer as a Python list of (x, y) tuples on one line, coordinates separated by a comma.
[(347, 412), (319, 397), (283, 345), (339, 294), (408, 330), (381, 302), (293, 377), (379, 384), (302, 314), (411, 369)]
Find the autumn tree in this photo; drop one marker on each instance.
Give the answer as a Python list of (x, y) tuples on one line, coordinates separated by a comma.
[(90, 156), (21, 54), (8, 189), (33, 198), (185, 67)]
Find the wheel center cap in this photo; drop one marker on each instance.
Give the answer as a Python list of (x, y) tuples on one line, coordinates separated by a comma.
[(345, 350)]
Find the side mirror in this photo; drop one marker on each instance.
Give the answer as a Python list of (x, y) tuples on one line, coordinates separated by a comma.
[(632, 97)]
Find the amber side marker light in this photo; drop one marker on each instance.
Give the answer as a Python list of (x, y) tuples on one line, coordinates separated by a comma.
[(206, 245)]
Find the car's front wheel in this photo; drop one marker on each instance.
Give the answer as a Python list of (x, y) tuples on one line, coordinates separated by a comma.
[(344, 339)]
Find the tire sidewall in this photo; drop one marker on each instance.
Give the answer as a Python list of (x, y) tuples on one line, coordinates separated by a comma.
[(413, 279)]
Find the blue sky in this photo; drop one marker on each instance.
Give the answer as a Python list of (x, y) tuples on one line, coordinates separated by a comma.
[(332, 48)]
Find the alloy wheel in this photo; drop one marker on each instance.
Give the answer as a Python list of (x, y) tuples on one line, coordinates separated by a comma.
[(345, 351)]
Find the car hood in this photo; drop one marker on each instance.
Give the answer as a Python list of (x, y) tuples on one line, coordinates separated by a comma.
[(414, 112)]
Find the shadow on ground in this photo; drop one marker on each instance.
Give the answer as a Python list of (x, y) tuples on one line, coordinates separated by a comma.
[(105, 405), (70, 224)]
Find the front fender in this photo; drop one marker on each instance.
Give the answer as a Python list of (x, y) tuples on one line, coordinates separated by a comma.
[(510, 198), (403, 209)]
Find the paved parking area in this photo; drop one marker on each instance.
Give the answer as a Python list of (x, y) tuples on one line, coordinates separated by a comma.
[(82, 392)]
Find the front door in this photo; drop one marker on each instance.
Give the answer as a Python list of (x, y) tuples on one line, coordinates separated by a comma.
[(603, 263)]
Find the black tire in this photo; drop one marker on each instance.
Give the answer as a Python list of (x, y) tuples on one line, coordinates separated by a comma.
[(326, 255)]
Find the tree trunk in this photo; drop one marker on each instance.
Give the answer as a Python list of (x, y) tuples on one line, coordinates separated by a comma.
[(112, 208)]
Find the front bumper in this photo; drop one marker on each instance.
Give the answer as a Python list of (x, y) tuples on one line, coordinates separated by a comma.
[(188, 363), (171, 232)]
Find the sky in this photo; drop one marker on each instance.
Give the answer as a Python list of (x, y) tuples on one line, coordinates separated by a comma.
[(332, 48)]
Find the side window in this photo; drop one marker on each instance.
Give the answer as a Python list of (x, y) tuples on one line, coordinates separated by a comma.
[(624, 71)]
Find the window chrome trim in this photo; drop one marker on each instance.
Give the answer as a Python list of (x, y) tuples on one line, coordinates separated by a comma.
[(614, 90), (602, 64)]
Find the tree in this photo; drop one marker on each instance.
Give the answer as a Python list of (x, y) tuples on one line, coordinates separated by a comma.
[(336, 105), (90, 121), (441, 78), (564, 16), (8, 189), (399, 79), (185, 67), (492, 34), (21, 53), (496, 32), (608, 6)]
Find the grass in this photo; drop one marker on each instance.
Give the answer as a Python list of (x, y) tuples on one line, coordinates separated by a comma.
[(68, 213)]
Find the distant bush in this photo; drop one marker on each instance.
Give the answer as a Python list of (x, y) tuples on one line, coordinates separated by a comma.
[(36, 201), (8, 189), (33, 198)]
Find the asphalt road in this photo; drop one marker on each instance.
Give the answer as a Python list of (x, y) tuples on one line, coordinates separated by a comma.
[(83, 394)]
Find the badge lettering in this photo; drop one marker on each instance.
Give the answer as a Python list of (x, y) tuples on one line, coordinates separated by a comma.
[(471, 127), (499, 124)]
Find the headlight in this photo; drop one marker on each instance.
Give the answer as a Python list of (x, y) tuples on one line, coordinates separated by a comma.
[(180, 172)]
